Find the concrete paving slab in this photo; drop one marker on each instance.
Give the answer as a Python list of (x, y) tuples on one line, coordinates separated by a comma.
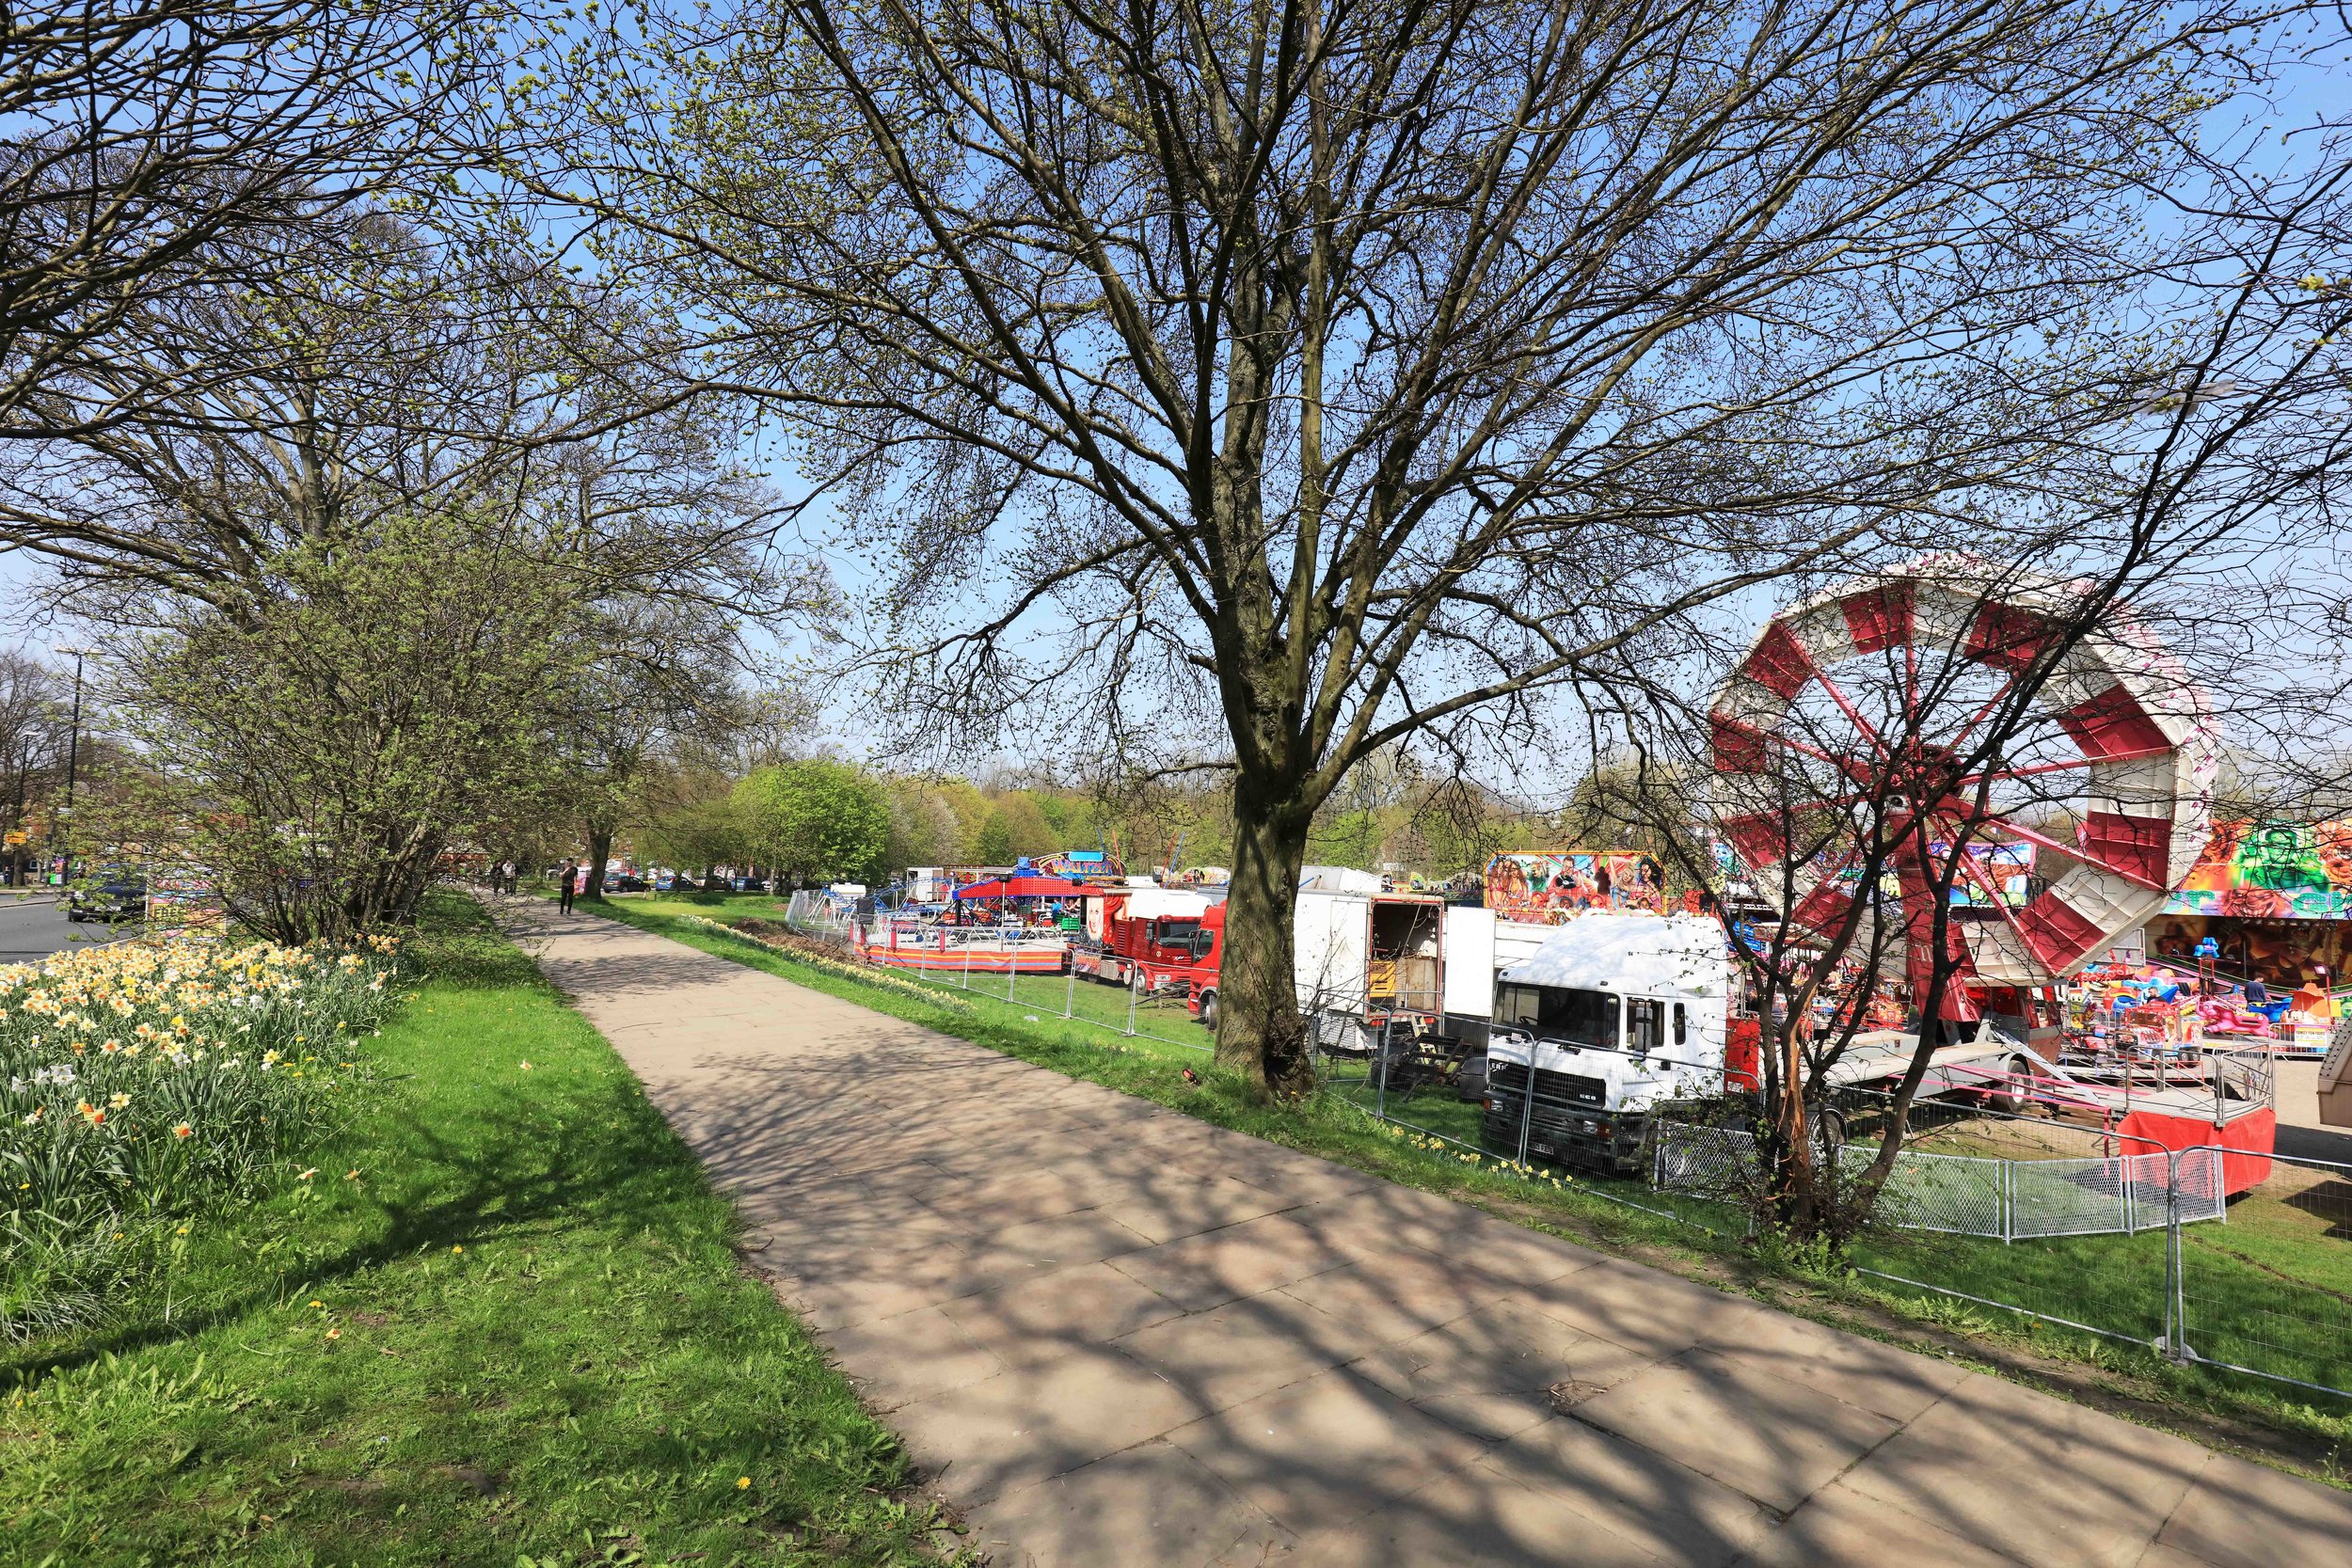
[(1475, 1518), (1492, 1373), (992, 1202), (1243, 1349), (1153, 1506), (1028, 1424), (1035, 1320), (1514, 1253), (2158, 1555), (2293, 1520), (1638, 1307), (1894, 1383), (1169, 1208), (1838, 1524), (833, 1296), (1206, 1271), (1776, 1441), (2042, 1481), (913, 1356), (1649, 1498), (1395, 1295), (1046, 1247), (1323, 1454)]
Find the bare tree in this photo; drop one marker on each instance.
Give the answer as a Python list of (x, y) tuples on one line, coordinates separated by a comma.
[(661, 692), (371, 372), (149, 142), (1269, 384), (33, 745)]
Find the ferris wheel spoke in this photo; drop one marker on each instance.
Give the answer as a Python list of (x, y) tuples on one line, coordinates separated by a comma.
[(2071, 764), (1844, 706), (1992, 889), (2008, 683), (1844, 764), (2072, 852)]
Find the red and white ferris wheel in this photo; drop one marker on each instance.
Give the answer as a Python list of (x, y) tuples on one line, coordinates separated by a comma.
[(1898, 686)]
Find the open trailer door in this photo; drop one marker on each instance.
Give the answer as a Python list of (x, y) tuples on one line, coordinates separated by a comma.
[(1469, 983), (1332, 932)]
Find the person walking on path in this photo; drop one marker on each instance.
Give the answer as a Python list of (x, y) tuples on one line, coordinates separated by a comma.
[(571, 874)]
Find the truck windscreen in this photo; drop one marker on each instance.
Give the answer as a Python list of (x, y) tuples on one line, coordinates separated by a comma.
[(1571, 1017)]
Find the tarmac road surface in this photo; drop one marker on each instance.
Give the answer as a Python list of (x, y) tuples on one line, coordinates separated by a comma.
[(33, 925)]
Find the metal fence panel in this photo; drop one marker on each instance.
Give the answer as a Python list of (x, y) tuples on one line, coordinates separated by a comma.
[(2270, 1294), (2069, 1198), (1940, 1192), (1708, 1162)]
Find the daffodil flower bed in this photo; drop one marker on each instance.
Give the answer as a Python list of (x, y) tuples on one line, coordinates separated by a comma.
[(140, 1083)]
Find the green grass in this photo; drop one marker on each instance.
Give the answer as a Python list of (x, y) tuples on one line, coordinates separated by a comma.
[(521, 1331), (2111, 1282)]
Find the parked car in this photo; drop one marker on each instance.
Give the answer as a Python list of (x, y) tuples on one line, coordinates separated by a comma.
[(624, 881), (113, 894)]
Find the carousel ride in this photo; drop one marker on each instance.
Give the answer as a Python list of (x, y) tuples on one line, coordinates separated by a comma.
[(1948, 735)]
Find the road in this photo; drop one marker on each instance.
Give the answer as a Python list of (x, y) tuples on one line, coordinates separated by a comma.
[(33, 925)]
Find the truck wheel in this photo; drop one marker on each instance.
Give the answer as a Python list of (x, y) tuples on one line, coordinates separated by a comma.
[(1208, 1010), (2012, 1097)]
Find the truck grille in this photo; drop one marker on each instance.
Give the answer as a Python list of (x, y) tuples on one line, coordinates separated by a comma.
[(1562, 1090), (1567, 1120)]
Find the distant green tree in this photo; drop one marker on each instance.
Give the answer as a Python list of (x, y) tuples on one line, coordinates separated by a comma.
[(993, 843), (699, 823), (815, 820), (1027, 831), (924, 827)]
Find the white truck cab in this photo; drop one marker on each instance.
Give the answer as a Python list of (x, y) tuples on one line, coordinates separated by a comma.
[(1614, 1015)]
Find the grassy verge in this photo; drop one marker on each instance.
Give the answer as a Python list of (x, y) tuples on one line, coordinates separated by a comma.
[(2215, 1407), (516, 1332)]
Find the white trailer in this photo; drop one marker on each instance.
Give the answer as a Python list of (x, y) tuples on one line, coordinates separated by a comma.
[(1617, 1014), (1365, 959)]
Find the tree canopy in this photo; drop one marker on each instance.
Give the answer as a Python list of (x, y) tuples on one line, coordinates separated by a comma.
[(815, 820)]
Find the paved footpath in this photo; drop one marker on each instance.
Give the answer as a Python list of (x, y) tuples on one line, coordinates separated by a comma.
[(1124, 1339)]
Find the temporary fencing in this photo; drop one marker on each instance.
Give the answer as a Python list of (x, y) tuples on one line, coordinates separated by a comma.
[(2245, 1300), (1966, 1194)]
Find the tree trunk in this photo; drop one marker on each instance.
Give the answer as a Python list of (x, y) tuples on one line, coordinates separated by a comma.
[(1259, 1030), (600, 852)]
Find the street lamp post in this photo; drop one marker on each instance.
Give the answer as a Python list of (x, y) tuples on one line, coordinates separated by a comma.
[(73, 761)]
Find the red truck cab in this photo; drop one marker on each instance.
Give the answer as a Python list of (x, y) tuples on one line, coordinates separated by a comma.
[(1161, 940)]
